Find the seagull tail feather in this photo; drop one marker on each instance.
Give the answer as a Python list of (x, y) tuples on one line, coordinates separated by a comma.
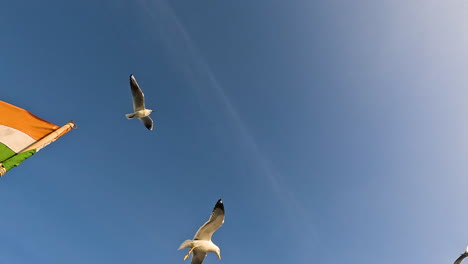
[(130, 116), (186, 244)]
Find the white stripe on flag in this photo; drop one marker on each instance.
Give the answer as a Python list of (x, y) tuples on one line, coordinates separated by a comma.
[(14, 139)]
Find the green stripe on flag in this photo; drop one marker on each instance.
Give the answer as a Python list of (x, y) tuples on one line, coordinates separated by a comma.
[(17, 159), (5, 152)]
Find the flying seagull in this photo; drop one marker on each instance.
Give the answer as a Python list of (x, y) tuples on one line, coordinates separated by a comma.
[(139, 105), (462, 256), (201, 243)]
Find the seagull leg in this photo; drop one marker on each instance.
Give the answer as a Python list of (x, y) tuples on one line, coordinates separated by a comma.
[(188, 254)]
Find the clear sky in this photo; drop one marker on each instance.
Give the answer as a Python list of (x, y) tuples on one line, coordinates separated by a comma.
[(334, 131)]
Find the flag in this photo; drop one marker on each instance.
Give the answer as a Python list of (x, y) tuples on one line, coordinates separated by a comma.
[(22, 134)]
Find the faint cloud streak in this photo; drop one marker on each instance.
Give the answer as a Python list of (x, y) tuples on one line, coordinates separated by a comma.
[(178, 42)]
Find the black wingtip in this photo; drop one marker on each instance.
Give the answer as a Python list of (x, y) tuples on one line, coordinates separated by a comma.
[(219, 205)]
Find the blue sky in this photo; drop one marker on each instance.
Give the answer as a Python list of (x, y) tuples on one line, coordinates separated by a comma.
[(333, 130)]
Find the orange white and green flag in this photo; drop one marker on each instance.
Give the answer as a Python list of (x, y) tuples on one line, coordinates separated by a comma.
[(22, 134)]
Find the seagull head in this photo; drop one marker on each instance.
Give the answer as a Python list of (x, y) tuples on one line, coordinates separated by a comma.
[(466, 251), (216, 250)]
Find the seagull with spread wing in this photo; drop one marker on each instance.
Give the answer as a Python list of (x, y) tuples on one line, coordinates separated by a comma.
[(201, 243), (139, 105), (462, 256)]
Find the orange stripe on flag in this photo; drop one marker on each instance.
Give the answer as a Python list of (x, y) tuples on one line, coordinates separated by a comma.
[(18, 118)]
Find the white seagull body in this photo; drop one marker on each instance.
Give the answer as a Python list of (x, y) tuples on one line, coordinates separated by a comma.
[(462, 256), (201, 243), (139, 109)]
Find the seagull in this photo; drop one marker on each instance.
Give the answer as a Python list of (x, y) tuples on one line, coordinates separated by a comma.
[(139, 105), (462, 256), (201, 243)]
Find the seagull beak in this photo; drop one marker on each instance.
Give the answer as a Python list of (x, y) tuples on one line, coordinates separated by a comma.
[(219, 255)]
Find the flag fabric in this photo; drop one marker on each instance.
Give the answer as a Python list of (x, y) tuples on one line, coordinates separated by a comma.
[(22, 134)]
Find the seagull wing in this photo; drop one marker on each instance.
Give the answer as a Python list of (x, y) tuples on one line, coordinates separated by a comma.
[(198, 257), (459, 259), (137, 94), (216, 221), (147, 121)]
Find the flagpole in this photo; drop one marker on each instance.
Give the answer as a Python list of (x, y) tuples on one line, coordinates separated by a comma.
[(51, 137), (41, 143)]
